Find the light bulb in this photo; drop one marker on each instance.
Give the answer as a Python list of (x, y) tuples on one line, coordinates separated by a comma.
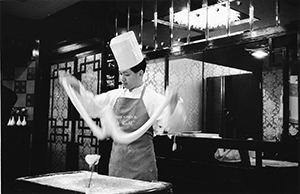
[(19, 121), (12, 121), (24, 121)]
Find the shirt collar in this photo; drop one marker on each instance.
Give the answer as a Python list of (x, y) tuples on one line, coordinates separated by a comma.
[(137, 90)]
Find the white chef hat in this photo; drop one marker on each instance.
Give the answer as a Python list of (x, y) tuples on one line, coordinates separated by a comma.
[(126, 50)]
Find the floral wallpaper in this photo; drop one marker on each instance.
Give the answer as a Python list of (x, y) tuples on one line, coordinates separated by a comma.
[(272, 91), (186, 75), (272, 105), (155, 75)]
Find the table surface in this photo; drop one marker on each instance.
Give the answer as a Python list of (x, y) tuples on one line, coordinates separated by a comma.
[(77, 181)]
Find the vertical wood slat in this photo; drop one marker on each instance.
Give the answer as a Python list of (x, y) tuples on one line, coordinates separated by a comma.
[(277, 12), (188, 6), (155, 26), (167, 64), (251, 15), (128, 16), (298, 62), (142, 23), (205, 4), (286, 92), (171, 16), (116, 21), (223, 101), (227, 3)]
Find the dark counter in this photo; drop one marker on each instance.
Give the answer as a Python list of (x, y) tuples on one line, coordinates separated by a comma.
[(192, 168)]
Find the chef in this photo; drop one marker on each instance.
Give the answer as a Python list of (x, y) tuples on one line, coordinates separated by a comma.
[(133, 105)]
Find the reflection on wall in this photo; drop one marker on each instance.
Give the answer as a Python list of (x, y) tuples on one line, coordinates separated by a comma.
[(294, 122), (294, 99), (186, 74), (221, 114), (211, 70)]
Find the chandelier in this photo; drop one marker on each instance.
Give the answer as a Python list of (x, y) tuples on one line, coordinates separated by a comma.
[(216, 16)]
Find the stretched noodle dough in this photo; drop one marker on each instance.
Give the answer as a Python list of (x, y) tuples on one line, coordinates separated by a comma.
[(110, 127)]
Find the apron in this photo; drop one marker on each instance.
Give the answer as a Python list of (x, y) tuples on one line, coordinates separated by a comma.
[(137, 159)]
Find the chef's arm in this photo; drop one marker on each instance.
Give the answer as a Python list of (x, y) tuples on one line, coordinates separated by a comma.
[(74, 83), (175, 118), (172, 120)]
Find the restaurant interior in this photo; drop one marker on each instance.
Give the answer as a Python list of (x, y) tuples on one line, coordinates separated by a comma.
[(242, 129)]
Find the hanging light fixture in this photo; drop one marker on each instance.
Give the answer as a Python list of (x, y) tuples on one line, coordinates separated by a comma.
[(217, 17)]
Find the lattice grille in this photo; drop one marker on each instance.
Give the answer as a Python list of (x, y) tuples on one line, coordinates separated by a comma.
[(65, 126)]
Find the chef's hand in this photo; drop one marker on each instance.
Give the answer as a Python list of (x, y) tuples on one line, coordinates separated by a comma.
[(70, 79)]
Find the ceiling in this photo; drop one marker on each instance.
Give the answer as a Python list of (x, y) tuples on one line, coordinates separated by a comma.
[(38, 10), (34, 9)]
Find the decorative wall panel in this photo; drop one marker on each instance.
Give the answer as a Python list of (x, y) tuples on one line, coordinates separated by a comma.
[(65, 124), (59, 132), (186, 75), (90, 70), (272, 90), (155, 75), (21, 80), (273, 107)]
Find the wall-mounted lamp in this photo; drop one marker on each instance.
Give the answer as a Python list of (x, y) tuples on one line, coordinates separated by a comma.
[(70, 47), (35, 53), (259, 49), (35, 50), (176, 49), (260, 53)]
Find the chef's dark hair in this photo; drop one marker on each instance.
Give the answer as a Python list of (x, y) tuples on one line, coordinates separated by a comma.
[(141, 66)]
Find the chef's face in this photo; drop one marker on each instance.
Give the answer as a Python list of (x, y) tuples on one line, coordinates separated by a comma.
[(131, 80)]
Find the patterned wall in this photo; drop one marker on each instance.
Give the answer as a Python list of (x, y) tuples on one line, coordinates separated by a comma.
[(154, 76), (186, 74), (272, 90), (21, 80), (272, 105)]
